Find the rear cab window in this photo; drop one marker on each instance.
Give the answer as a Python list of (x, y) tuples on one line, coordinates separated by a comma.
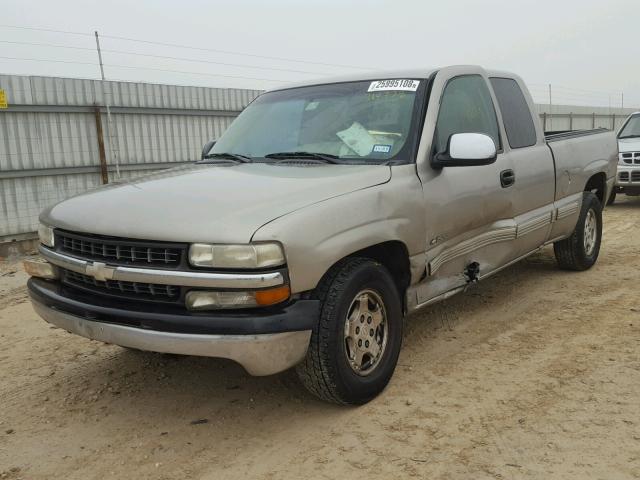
[(516, 114)]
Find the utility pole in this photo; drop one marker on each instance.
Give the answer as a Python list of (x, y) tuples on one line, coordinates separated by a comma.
[(550, 110), (99, 55), (106, 101)]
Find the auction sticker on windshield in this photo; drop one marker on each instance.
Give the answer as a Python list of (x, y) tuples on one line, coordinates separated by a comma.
[(397, 85)]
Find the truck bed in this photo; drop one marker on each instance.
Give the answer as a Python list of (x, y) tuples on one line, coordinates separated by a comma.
[(575, 151)]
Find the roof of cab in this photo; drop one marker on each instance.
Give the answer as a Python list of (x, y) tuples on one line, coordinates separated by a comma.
[(362, 76), (424, 72)]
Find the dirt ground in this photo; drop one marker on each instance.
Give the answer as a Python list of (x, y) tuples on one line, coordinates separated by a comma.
[(533, 374)]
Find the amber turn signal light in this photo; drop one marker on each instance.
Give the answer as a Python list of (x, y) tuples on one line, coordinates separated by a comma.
[(272, 296)]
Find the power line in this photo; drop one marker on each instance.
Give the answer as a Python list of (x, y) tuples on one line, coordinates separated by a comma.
[(228, 52), (212, 62), (573, 89), (190, 47), (195, 60), (51, 45), (48, 60), (567, 95), (142, 68), (601, 92), (585, 97), (47, 30), (568, 91), (195, 73)]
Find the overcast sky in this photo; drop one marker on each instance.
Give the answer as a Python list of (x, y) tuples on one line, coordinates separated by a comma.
[(588, 50)]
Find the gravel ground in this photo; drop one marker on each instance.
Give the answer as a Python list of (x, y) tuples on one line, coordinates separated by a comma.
[(533, 374)]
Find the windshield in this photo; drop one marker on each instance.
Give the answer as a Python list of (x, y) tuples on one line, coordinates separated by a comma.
[(631, 129), (373, 121)]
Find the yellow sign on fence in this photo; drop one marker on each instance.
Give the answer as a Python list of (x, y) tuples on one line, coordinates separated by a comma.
[(3, 99)]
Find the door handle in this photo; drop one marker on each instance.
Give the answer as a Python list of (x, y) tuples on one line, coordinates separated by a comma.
[(507, 178)]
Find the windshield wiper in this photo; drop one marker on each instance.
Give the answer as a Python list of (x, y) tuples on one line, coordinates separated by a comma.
[(231, 156), (326, 157)]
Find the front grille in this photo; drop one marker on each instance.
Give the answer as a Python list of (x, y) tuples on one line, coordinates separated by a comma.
[(118, 288), (631, 158), (624, 176), (635, 176), (120, 251)]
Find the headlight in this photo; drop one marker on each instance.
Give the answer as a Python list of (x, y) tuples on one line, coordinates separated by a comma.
[(212, 300), (45, 233), (257, 255)]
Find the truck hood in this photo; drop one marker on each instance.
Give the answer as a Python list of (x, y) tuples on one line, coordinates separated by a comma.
[(208, 203), (629, 145)]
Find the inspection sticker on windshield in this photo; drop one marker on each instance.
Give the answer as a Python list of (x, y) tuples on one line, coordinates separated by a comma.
[(381, 148), (391, 85)]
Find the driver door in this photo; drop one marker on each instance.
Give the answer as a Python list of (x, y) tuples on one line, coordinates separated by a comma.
[(469, 216)]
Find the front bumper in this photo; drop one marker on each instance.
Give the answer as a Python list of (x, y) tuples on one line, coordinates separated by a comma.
[(264, 341), (628, 176)]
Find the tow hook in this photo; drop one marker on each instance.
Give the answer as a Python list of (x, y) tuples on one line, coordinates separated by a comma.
[(472, 271)]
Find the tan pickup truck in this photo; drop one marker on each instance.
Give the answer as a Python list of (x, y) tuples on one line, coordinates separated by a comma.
[(323, 216)]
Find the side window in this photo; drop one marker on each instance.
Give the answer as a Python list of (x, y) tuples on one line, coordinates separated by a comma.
[(466, 107), (516, 115)]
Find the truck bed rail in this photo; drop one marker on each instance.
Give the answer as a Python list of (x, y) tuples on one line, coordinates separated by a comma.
[(564, 134)]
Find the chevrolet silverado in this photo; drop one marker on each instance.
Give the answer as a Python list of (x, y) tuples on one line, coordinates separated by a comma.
[(324, 215)]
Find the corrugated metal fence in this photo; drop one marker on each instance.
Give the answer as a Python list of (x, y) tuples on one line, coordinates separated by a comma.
[(49, 147), (572, 117)]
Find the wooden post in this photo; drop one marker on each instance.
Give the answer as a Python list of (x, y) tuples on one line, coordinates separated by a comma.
[(544, 121), (593, 120), (613, 121), (570, 120), (101, 151)]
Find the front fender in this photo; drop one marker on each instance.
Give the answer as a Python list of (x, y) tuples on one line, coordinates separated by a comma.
[(318, 236)]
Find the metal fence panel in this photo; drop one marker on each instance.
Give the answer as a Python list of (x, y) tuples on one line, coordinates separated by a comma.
[(141, 138), (41, 140), (17, 88), (78, 92), (575, 117), (49, 142), (22, 199)]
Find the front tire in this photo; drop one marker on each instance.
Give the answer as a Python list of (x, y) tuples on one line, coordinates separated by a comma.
[(354, 347), (580, 251), (612, 197)]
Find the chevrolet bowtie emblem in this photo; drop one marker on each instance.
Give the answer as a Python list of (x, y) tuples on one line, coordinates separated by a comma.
[(100, 271)]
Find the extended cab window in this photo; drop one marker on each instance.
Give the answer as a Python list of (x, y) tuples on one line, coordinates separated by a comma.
[(516, 115), (466, 107)]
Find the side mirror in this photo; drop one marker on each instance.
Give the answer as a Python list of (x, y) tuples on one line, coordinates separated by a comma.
[(467, 149), (207, 147)]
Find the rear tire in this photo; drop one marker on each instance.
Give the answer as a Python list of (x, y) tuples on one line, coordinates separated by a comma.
[(360, 305), (580, 251)]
